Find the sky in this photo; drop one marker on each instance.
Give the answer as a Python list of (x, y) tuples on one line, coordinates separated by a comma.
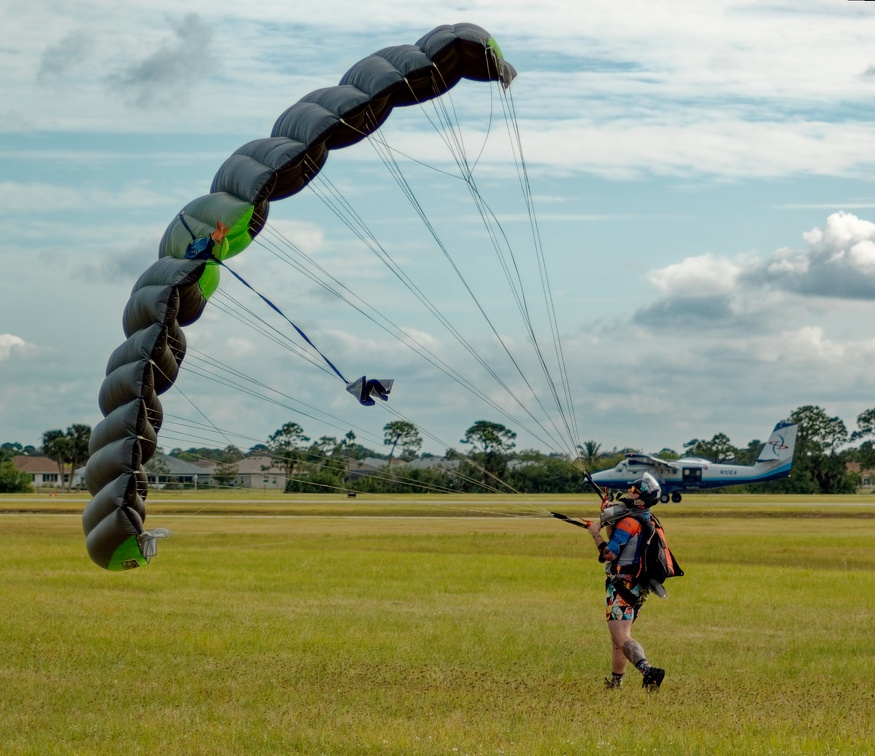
[(701, 177)]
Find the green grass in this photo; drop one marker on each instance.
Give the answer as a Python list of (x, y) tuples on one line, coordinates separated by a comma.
[(333, 634)]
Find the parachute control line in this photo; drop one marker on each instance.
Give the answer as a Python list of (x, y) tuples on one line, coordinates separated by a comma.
[(202, 249)]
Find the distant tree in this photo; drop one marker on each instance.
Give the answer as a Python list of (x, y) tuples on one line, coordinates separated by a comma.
[(70, 448), (865, 455), (227, 468), (589, 453), (534, 473), (817, 432), (328, 456), (197, 453), (492, 443), (405, 434), (348, 445), (718, 449), (78, 436), (666, 453), (56, 446), (489, 437), (10, 450), (750, 454), (865, 425), (286, 449)]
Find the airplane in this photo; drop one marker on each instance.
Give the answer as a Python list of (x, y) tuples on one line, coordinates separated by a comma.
[(695, 473)]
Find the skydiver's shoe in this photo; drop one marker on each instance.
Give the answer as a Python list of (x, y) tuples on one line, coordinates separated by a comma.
[(613, 682), (652, 679)]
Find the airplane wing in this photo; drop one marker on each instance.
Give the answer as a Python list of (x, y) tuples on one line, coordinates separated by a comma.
[(649, 459)]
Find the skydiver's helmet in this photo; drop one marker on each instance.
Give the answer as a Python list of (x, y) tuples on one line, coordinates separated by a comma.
[(647, 490)]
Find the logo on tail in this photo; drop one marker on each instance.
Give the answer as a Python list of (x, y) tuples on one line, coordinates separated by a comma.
[(779, 447)]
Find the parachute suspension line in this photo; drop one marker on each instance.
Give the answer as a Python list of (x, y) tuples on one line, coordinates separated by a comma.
[(515, 141), (505, 486), (377, 318), (175, 385), (209, 425), (426, 486), (499, 485), (398, 332), (221, 378), (284, 316), (344, 211), (394, 169), (338, 204), (235, 309), (365, 309), (514, 282)]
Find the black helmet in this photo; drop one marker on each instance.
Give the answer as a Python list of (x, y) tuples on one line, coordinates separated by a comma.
[(648, 490)]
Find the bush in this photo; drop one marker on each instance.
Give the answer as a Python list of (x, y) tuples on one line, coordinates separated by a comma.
[(13, 481)]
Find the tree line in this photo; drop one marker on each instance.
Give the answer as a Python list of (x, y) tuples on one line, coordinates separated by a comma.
[(487, 461)]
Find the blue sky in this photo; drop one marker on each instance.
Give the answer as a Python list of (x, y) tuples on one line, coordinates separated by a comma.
[(701, 176)]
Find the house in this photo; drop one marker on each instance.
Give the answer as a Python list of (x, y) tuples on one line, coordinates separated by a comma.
[(258, 471), (867, 477), (44, 472), (360, 468), (163, 471)]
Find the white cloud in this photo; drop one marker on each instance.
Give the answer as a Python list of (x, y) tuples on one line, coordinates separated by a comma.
[(837, 263), (9, 344), (705, 275)]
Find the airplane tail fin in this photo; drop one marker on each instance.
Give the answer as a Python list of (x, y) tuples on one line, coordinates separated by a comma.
[(779, 447)]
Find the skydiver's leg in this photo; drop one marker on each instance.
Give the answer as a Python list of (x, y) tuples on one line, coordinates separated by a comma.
[(631, 650), (621, 616), (624, 648)]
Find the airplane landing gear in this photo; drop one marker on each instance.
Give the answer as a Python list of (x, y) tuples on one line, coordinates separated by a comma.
[(664, 498), (676, 497)]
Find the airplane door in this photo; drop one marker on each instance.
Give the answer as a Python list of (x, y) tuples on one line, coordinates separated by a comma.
[(692, 476)]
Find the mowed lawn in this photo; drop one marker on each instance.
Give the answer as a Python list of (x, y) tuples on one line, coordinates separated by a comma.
[(433, 629)]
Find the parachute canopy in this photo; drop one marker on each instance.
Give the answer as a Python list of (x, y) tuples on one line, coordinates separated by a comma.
[(173, 292)]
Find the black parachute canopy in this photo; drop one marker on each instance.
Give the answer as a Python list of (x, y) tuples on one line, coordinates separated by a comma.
[(173, 292)]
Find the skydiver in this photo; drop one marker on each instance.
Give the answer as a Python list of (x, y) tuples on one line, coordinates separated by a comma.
[(624, 596)]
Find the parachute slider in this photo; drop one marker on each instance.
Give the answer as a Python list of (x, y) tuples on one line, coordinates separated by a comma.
[(363, 389)]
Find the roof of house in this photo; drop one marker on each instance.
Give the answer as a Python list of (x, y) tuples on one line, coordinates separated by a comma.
[(24, 463), (175, 466)]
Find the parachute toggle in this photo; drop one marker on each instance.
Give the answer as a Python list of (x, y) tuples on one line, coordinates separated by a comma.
[(363, 389)]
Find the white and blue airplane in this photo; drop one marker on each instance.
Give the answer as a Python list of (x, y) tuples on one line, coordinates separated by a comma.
[(695, 473)]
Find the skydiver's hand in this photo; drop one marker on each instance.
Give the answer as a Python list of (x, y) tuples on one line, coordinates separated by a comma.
[(594, 527), (606, 502)]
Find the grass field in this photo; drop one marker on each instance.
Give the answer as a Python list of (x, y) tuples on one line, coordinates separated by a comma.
[(285, 625)]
